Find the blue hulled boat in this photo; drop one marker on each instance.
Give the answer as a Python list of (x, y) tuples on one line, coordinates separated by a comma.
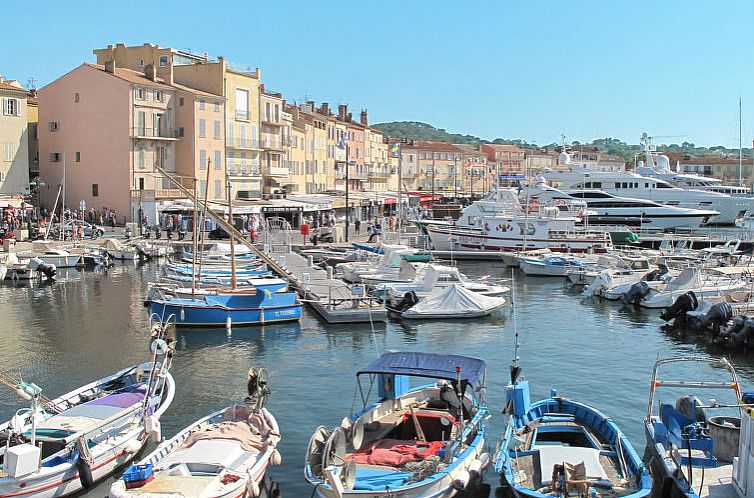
[(560, 447), (258, 305)]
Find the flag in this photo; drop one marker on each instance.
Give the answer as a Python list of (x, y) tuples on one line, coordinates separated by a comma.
[(395, 150), (342, 142), (468, 164)]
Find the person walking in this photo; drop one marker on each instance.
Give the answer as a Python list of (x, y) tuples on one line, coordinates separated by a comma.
[(357, 226)]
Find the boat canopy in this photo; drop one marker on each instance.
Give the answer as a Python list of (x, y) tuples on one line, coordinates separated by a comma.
[(432, 365)]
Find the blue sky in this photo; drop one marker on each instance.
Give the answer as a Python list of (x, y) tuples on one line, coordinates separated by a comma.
[(525, 69)]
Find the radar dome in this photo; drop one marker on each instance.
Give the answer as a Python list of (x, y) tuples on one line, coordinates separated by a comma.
[(564, 158), (640, 164), (663, 162)]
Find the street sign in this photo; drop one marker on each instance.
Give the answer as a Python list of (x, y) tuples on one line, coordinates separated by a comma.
[(82, 205)]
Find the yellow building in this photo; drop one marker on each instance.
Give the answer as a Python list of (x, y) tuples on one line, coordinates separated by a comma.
[(296, 182), (32, 120), (14, 147)]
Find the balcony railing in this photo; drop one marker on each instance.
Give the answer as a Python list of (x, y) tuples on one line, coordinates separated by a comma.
[(242, 115), (272, 120), (274, 145), (242, 143), (276, 171), (156, 133), (378, 174)]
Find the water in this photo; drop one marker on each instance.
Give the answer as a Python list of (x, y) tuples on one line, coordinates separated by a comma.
[(91, 324)]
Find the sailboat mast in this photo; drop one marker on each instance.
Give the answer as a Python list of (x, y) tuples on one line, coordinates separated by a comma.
[(740, 150), (204, 217), (232, 240), (193, 241)]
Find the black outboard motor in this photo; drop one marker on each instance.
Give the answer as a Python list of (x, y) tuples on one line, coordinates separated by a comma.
[(739, 335), (409, 299), (157, 232), (170, 233), (48, 270), (636, 293), (717, 316), (685, 303), (656, 275), (181, 233)]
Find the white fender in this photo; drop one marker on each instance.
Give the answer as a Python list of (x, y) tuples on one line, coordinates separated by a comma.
[(153, 428), (252, 489), (461, 480), (276, 458), (475, 468), (132, 447)]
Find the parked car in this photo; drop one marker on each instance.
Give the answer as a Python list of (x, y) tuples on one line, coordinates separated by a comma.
[(90, 231)]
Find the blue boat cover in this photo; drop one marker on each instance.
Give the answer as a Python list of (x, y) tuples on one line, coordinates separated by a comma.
[(432, 365), (379, 480)]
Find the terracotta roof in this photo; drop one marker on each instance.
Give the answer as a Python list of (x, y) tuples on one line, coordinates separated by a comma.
[(130, 76), (196, 91), (433, 146), (505, 147), (5, 85)]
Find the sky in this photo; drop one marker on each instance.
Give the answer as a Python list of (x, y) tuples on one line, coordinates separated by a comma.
[(511, 69)]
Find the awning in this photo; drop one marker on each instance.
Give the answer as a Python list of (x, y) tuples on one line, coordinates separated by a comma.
[(431, 365), (512, 177)]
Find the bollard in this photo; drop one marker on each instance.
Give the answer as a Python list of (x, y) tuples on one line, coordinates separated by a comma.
[(310, 261), (328, 272)]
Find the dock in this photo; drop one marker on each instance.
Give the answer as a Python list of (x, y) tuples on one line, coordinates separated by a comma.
[(333, 299)]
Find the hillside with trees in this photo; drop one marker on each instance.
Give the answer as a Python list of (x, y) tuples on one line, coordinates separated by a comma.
[(423, 131)]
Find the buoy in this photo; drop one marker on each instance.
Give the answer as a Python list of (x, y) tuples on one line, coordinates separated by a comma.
[(153, 428), (183, 315), (261, 316), (461, 480), (228, 323), (252, 489), (276, 458), (132, 447), (475, 468)]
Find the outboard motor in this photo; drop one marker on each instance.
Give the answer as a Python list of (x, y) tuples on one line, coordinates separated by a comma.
[(157, 232), (409, 299), (636, 293), (717, 316), (691, 407), (170, 233), (740, 334), (181, 233), (42, 268), (127, 233), (656, 275), (685, 303)]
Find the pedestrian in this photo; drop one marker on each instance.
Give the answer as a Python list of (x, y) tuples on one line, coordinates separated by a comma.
[(357, 226), (372, 232)]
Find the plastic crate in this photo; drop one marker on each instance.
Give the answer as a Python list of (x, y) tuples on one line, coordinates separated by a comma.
[(138, 473)]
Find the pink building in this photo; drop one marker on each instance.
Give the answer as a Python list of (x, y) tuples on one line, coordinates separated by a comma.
[(102, 131)]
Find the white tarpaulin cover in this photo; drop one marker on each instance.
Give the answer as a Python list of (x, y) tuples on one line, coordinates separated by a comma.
[(454, 302)]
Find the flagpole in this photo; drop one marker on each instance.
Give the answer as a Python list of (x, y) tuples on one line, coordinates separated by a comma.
[(347, 221), (400, 190)]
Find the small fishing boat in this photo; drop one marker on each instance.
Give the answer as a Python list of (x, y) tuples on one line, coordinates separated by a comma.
[(559, 447), (694, 455), (425, 441), (454, 301), (552, 266), (62, 446), (223, 455)]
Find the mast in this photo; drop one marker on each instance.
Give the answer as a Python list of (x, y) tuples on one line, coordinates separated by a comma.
[(193, 241), (232, 240), (204, 217), (740, 150), (400, 190)]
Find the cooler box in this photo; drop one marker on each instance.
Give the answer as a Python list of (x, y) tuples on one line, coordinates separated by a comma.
[(138, 475), (22, 459)]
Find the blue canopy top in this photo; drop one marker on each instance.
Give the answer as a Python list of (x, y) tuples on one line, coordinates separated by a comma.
[(432, 365)]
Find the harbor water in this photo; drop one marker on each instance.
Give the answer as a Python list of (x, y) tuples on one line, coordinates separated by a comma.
[(90, 324)]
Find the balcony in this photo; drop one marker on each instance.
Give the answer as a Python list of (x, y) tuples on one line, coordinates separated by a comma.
[(276, 171), (156, 194), (272, 145), (378, 174), (358, 175), (154, 133), (242, 115), (270, 119), (242, 143), (409, 174)]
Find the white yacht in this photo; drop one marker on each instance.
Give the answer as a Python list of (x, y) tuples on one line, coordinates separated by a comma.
[(603, 208)]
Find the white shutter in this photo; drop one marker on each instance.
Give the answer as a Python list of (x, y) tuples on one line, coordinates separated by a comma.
[(2, 101), (18, 107)]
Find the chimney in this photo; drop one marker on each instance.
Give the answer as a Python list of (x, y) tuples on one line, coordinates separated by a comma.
[(363, 119), (349, 118), (1, 78), (325, 109), (149, 72), (261, 88), (342, 111), (110, 66), (295, 113), (166, 73)]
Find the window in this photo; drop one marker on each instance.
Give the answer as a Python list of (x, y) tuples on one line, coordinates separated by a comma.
[(180, 102), (218, 189), (202, 128), (139, 93), (218, 160), (217, 129), (141, 183), (202, 159), (142, 158), (141, 62), (158, 96), (77, 156), (76, 97), (163, 60), (242, 104), (8, 149), (95, 190), (11, 107), (181, 132), (201, 104), (54, 157), (217, 106), (202, 188), (53, 126)]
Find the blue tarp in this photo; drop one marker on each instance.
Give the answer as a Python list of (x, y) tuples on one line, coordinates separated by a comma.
[(432, 365)]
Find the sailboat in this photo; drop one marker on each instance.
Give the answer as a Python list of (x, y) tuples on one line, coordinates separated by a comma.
[(225, 307)]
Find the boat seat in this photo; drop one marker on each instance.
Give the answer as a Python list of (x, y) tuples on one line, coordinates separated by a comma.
[(372, 479)]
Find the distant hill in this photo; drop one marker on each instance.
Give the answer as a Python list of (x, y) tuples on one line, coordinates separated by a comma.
[(423, 131)]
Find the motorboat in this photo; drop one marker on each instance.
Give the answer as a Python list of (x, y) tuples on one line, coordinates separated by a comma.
[(65, 445), (223, 455), (17, 269), (553, 266), (453, 301), (436, 277), (52, 255), (617, 263), (560, 447), (703, 285), (387, 264), (165, 289), (692, 453), (499, 223), (420, 441), (604, 208)]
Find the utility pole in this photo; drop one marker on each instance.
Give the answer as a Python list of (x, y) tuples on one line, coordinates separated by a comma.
[(347, 168)]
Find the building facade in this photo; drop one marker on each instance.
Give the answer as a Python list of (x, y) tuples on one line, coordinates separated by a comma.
[(14, 138)]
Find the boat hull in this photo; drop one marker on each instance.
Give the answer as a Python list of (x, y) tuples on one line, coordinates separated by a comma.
[(188, 314), (446, 239)]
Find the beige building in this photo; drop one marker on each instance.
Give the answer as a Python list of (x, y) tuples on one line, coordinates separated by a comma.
[(14, 138), (591, 158), (274, 142), (32, 119), (540, 160)]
